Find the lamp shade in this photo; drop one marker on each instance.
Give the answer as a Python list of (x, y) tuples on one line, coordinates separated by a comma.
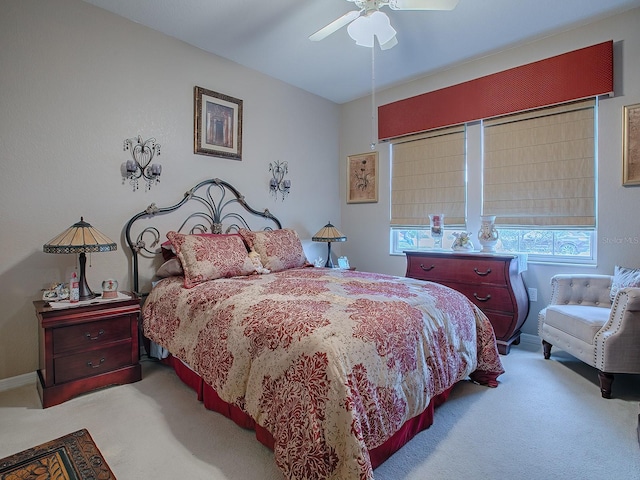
[(80, 238), (329, 233)]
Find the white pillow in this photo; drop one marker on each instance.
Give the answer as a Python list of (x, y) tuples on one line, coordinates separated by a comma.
[(624, 277)]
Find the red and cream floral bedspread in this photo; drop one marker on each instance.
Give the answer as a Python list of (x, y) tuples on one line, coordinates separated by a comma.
[(331, 362)]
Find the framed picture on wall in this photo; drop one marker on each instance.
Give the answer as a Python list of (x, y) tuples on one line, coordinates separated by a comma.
[(631, 145), (218, 124), (362, 178)]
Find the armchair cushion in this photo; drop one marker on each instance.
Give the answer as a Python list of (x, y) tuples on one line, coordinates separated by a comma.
[(624, 277), (582, 322)]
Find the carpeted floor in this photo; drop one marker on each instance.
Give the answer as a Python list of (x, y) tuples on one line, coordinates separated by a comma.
[(72, 457), (545, 420)]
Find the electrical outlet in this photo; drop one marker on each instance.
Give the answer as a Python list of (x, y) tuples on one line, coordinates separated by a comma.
[(533, 294)]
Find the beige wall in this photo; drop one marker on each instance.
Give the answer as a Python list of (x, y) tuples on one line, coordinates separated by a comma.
[(367, 225), (75, 81)]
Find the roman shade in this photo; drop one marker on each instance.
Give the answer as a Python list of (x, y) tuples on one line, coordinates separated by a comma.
[(539, 167), (428, 176)]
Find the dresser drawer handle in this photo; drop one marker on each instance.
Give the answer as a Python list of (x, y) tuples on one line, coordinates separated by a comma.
[(482, 274), (88, 335), (427, 269), (90, 363), (482, 299)]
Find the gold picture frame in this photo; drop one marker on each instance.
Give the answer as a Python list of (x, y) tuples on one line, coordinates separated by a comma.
[(631, 145), (362, 178), (217, 124)]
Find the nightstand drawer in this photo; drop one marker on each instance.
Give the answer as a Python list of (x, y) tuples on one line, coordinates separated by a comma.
[(95, 362), (90, 334)]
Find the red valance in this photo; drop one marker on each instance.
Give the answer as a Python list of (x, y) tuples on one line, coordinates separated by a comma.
[(582, 73)]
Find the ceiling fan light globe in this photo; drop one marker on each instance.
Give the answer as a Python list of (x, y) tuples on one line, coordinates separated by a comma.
[(361, 31), (390, 44), (382, 27)]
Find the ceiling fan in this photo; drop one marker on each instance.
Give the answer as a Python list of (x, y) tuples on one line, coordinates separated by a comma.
[(368, 21)]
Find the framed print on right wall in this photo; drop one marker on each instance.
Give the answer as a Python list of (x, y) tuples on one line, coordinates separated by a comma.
[(631, 145), (362, 178)]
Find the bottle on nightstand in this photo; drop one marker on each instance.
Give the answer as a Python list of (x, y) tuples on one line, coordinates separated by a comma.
[(74, 288)]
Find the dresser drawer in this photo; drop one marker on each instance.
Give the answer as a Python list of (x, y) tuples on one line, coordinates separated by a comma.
[(487, 297), (90, 334), (490, 281), (503, 323), (90, 363), (445, 269)]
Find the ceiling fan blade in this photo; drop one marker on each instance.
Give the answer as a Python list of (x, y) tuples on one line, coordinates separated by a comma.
[(337, 24), (423, 4)]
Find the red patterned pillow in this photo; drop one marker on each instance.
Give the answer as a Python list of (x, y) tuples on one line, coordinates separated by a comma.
[(209, 257), (168, 252), (278, 249)]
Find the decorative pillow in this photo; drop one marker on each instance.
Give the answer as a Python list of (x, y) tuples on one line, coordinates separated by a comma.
[(278, 249), (169, 252), (170, 268), (207, 257), (624, 277)]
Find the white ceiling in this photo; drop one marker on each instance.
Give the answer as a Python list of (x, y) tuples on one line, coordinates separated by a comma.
[(271, 36)]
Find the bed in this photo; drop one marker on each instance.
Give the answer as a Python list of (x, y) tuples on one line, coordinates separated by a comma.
[(334, 369)]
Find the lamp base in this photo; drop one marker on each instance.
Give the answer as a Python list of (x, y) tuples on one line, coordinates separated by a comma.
[(85, 291), (329, 263)]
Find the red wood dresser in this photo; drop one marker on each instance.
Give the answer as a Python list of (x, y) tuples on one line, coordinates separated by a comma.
[(88, 346), (491, 281)]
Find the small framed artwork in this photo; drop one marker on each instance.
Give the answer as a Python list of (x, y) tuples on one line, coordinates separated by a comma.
[(218, 124), (362, 178), (631, 145)]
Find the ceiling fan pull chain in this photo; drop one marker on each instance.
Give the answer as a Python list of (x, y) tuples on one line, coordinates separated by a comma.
[(373, 97)]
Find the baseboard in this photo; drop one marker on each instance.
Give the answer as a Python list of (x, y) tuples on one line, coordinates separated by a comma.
[(17, 381), (530, 340)]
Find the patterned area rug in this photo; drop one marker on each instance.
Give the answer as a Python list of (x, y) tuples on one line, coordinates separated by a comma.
[(72, 457)]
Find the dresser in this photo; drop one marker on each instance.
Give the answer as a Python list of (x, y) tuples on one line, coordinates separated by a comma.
[(491, 281), (86, 347)]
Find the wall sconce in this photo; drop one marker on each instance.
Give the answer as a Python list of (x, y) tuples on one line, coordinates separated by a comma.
[(278, 184), (142, 153)]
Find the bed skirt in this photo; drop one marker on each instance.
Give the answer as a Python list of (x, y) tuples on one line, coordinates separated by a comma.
[(210, 399)]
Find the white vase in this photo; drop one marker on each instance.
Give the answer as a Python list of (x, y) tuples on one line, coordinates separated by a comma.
[(488, 235)]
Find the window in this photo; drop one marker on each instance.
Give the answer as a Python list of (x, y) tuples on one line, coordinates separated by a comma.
[(534, 170)]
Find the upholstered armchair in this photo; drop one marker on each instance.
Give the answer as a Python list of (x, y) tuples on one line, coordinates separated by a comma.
[(582, 320)]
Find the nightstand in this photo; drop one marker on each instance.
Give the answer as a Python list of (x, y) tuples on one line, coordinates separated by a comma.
[(87, 346)]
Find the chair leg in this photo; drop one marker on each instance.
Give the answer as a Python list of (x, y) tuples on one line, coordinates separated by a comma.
[(546, 347), (606, 379)]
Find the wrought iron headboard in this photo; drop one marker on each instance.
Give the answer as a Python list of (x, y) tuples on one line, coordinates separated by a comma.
[(211, 198)]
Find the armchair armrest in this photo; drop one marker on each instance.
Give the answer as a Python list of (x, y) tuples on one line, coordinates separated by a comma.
[(575, 289), (617, 342)]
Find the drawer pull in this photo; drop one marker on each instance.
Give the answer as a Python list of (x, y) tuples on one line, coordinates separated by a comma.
[(482, 274), (427, 269), (482, 299), (88, 335), (90, 364)]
